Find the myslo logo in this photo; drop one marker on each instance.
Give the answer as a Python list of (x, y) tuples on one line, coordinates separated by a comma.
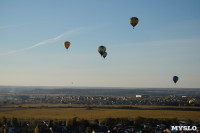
[(183, 128)]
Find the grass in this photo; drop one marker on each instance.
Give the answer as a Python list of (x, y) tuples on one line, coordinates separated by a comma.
[(61, 111)]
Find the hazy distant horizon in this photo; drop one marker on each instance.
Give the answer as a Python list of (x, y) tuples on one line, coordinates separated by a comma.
[(91, 91), (95, 87)]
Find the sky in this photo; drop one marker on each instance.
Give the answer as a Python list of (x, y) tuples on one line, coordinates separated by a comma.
[(165, 43)]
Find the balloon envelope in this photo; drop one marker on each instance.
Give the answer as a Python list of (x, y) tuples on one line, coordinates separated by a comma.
[(66, 44), (175, 79), (102, 50), (191, 101), (133, 21), (105, 54)]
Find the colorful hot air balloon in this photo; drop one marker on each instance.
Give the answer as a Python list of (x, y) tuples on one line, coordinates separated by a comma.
[(175, 79), (133, 21), (66, 44), (105, 54), (191, 101), (102, 50)]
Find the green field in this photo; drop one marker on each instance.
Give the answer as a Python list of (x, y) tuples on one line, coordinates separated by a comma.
[(60, 111)]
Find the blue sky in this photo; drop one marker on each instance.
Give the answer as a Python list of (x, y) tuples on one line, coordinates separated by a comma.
[(166, 42)]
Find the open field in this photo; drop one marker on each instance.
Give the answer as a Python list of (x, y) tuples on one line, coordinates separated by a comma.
[(59, 111)]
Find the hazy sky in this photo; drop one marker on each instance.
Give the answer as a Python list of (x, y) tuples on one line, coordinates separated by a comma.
[(166, 42)]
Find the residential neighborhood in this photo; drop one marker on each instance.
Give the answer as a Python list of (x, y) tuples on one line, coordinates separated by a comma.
[(101, 100), (109, 125)]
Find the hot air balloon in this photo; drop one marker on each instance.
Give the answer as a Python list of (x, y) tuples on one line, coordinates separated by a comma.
[(105, 54), (191, 101), (175, 79), (66, 44), (102, 50), (133, 21)]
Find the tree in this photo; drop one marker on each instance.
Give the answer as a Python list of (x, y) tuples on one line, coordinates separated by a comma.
[(14, 122), (88, 130), (4, 120), (84, 122), (50, 123), (55, 122), (96, 122), (33, 123), (124, 121), (36, 129), (139, 120), (72, 122), (109, 121)]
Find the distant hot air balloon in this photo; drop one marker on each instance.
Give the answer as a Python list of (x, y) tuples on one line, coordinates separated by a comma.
[(66, 44), (105, 54), (175, 79), (133, 21), (191, 101), (102, 50)]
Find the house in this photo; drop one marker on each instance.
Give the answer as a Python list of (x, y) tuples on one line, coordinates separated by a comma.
[(60, 129), (14, 130), (161, 126), (147, 126), (141, 96)]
